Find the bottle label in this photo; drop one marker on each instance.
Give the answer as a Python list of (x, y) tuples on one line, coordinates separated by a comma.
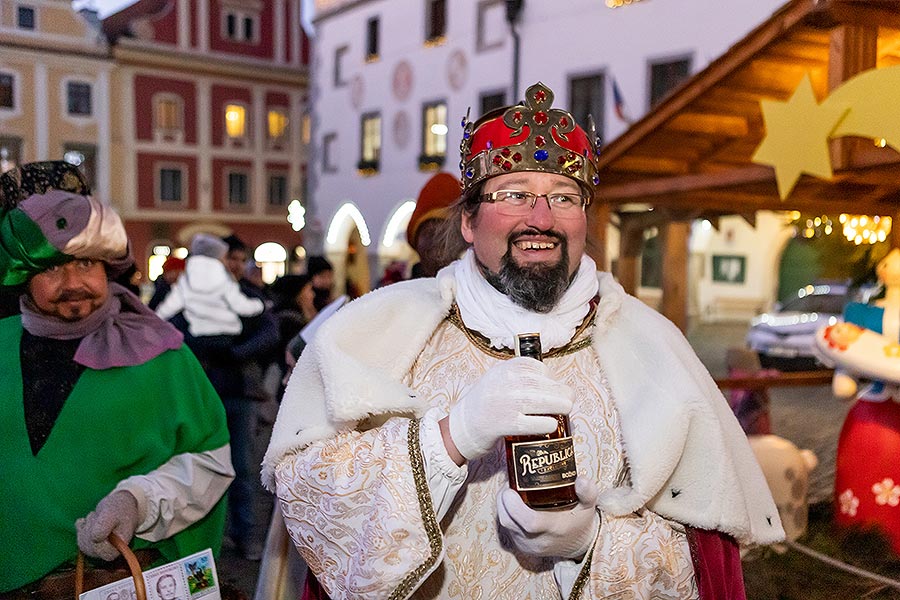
[(544, 464)]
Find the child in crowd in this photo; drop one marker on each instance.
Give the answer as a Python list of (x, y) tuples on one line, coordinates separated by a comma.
[(208, 297)]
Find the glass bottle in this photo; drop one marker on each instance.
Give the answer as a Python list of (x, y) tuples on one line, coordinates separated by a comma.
[(542, 467)]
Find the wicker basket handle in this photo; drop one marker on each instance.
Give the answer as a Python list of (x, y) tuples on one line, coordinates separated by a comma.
[(130, 558)]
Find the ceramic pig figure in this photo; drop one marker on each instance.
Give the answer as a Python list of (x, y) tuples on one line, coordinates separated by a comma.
[(786, 469)]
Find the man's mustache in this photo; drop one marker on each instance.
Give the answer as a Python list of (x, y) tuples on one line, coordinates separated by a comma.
[(74, 296), (551, 233)]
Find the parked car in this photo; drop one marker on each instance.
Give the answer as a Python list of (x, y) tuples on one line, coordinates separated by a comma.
[(783, 338)]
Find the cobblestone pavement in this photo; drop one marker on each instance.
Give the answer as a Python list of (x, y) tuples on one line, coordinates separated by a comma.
[(808, 416)]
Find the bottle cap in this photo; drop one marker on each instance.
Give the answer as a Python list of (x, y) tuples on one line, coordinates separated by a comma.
[(528, 344)]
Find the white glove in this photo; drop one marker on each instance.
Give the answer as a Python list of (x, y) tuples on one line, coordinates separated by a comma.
[(507, 400), (116, 513), (563, 533)]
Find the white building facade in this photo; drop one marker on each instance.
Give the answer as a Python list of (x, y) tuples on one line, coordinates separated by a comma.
[(387, 75)]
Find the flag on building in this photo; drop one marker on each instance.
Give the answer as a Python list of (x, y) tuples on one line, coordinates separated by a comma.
[(619, 103)]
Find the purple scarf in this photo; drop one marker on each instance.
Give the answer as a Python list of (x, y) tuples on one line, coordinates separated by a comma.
[(121, 333)]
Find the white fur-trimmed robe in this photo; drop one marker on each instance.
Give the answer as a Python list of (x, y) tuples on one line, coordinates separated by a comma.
[(689, 459)]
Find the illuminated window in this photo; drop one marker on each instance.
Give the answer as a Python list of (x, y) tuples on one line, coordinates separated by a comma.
[(278, 123), (434, 135), (306, 129), (370, 148), (167, 114), (235, 121)]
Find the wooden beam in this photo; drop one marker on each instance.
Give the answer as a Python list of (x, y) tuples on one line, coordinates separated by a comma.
[(631, 237), (674, 243), (712, 124), (791, 379), (853, 49), (631, 192), (651, 164), (867, 13), (598, 223), (895, 229), (783, 21)]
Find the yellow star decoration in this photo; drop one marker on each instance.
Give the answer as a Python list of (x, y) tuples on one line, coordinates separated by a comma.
[(892, 350), (797, 135)]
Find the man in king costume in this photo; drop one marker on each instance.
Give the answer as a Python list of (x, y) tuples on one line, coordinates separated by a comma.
[(387, 453), (107, 422)]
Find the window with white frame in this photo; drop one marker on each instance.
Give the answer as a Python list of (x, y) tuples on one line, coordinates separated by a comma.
[(240, 24), (25, 18), (78, 98), (238, 183), (168, 114), (235, 121), (329, 153), (492, 28), (83, 156), (370, 142), (10, 153), (278, 125), (7, 90), (170, 184), (434, 135), (278, 189), (665, 76)]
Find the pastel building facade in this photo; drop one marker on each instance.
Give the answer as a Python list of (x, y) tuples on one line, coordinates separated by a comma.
[(392, 79), (55, 83), (208, 125)]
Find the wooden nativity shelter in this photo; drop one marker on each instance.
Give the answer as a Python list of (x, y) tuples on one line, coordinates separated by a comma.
[(691, 157)]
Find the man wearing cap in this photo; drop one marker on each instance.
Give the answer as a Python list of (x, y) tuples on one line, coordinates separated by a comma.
[(425, 231), (387, 454), (107, 422)]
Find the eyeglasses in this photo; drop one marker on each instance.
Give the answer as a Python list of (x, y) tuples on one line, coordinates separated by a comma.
[(515, 203)]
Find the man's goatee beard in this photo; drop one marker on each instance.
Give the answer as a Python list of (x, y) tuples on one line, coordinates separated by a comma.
[(535, 287)]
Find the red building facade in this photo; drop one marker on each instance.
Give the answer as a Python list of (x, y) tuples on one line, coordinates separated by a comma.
[(209, 121)]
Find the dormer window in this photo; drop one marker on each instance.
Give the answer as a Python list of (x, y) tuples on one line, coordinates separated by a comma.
[(240, 22)]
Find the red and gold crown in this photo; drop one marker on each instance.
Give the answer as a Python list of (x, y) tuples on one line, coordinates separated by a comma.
[(528, 137)]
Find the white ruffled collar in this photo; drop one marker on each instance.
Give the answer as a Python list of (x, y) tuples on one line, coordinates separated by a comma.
[(495, 316)]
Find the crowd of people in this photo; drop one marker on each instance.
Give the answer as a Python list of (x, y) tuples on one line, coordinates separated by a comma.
[(387, 455)]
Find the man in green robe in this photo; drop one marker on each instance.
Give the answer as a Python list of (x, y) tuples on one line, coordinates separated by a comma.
[(107, 422)]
